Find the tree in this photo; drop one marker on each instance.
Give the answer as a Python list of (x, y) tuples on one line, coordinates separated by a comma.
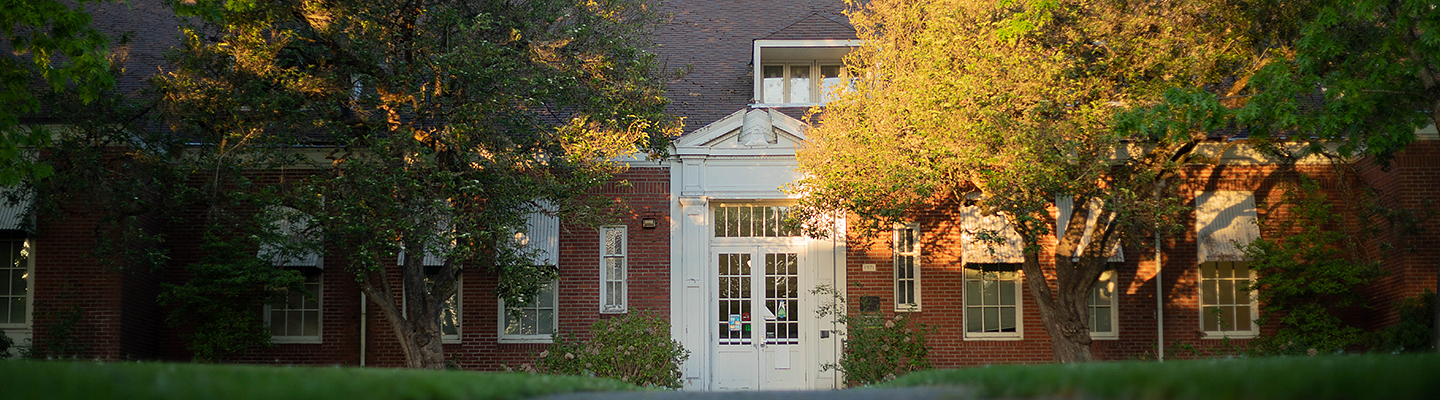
[(1022, 102), (443, 124), (55, 50)]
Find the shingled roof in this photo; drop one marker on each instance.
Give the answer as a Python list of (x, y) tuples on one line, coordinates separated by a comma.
[(815, 26)]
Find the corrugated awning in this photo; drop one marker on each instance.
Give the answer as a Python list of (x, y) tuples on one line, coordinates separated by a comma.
[(295, 225), (1224, 222), (984, 252), (12, 215), (1066, 204)]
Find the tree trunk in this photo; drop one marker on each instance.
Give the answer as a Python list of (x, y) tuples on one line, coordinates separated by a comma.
[(1066, 319), (419, 337)]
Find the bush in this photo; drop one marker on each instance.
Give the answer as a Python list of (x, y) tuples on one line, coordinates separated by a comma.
[(1412, 334), (877, 348), (634, 348), (1306, 272)]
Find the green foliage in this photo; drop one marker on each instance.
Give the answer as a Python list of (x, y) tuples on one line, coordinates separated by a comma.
[(1413, 333), (877, 348), (84, 380), (56, 51), (59, 340), (1307, 270), (445, 123), (5, 344), (1374, 64), (635, 348), (1351, 377), (1010, 105), (219, 307)]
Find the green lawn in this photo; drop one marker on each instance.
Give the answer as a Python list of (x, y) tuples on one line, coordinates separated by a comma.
[(1325, 377), (98, 381)]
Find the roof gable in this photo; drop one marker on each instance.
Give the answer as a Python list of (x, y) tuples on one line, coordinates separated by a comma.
[(728, 135), (815, 26)]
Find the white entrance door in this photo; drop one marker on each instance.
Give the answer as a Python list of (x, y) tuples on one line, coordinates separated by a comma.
[(757, 313)]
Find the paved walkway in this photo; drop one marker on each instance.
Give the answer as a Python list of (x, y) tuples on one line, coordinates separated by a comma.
[(916, 393)]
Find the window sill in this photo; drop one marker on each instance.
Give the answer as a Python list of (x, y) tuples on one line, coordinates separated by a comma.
[(907, 309), (996, 338), (525, 339), (785, 105), (1104, 336), (295, 340), (615, 311), (1230, 335)]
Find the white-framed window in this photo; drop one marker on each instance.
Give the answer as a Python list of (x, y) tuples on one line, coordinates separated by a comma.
[(296, 318), (1227, 305), (1104, 307), (800, 72), (538, 318), (753, 221), (906, 250), (535, 320), (992, 301), (15, 283), (808, 82), (1224, 222), (614, 290)]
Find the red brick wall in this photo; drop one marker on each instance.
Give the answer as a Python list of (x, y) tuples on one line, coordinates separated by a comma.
[(645, 194), (1412, 184), (942, 279)]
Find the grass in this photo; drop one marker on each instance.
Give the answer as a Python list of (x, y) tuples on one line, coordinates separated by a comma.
[(1324, 377), (98, 381)]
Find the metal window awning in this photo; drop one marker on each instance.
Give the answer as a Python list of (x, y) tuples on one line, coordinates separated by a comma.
[(1066, 204), (974, 250), (1224, 222)]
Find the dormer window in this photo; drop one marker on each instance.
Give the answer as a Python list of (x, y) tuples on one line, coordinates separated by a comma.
[(799, 73)]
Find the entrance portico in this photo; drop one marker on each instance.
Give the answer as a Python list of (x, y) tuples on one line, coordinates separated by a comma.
[(742, 278)]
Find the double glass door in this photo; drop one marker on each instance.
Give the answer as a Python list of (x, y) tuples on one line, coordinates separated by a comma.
[(757, 317)]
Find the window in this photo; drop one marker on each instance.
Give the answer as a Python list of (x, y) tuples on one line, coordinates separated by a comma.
[(1224, 223), (800, 72), (1103, 308), (753, 221), (992, 301), (533, 321), (14, 283), (296, 317), (797, 83), (613, 270), (536, 319), (907, 267), (1227, 306)]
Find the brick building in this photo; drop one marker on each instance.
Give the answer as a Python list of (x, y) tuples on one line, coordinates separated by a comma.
[(700, 220)]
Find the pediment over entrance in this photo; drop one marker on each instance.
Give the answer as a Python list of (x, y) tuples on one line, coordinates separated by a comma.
[(747, 132)]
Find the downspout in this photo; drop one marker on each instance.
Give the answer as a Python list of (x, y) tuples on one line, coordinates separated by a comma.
[(364, 315), (837, 286), (1159, 301)]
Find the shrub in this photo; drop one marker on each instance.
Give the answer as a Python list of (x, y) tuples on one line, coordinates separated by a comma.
[(1412, 334), (877, 348), (634, 348), (1306, 271)]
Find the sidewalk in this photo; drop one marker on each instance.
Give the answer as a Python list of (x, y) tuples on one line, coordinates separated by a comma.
[(915, 393)]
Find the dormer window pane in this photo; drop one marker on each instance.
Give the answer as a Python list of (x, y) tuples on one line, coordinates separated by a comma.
[(774, 83), (830, 82), (799, 84)]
